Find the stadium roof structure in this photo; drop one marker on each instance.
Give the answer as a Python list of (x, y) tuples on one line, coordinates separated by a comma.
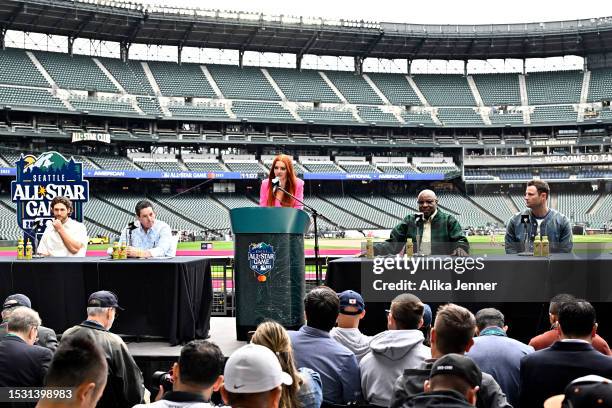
[(129, 23)]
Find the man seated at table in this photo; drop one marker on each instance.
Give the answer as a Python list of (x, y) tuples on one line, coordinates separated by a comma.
[(148, 237), (432, 231), (538, 219), (63, 236)]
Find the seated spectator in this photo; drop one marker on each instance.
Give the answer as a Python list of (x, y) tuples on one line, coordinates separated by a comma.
[(78, 364), (253, 378), (195, 377), (46, 336), (584, 392), (453, 332), (352, 310), (497, 354), (547, 372), (315, 349), (392, 351), (306, 391), (22, 364), (454, 382), (125, 385), (546, 339)]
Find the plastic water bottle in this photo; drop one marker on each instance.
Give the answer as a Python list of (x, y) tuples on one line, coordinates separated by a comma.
[(545, 246), (537, 246), (28, 250), (20, 249), (116, 250), (369, 248), (409, 247)]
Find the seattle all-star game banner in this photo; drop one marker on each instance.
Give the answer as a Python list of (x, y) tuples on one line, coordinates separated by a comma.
[(38, 181)]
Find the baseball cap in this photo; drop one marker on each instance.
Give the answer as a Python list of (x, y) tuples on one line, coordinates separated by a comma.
[(16, 300), (584, 392), (103, 298), (252, 369), (350, 298), (427, 316), (458, 365)]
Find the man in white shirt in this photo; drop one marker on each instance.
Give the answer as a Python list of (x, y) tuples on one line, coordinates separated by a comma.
[(63, 236)]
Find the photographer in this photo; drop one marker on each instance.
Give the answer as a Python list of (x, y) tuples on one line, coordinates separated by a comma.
[(194, 378)]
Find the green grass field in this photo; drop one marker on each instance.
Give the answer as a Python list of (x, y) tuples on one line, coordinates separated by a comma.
[(480, 244)]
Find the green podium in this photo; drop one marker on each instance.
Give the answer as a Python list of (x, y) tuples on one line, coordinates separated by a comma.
[(268, 266)]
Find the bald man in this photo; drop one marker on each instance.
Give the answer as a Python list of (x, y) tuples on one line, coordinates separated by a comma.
[(439, 233)]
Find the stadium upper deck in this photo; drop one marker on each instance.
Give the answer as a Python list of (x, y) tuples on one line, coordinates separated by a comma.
[(60, 83), (128, 23)]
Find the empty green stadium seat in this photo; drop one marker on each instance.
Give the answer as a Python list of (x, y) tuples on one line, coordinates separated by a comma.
[(130, 75), (396, 88), (242, 83), (445, 90), (186, 80), (554, 87), (16, 68), (303, 86), (498, 89), (75, 72), (354, 88)]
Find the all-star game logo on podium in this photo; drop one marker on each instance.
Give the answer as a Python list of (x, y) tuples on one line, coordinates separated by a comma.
[(41, 179), (261, 259)]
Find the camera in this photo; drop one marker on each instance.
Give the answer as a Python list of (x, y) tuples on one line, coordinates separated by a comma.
[(162, 378)]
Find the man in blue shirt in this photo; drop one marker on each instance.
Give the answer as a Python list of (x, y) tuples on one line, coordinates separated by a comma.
[(314, 348), (148, 237), (497, 354), (538, 219)]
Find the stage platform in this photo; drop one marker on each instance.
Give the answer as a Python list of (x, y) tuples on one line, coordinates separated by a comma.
[(222, 333), (154, 356)]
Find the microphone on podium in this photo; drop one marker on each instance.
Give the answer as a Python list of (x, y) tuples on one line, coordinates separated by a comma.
[(275, 183)]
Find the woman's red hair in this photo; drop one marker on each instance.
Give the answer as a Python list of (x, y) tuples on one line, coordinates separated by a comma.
[(289, 186)]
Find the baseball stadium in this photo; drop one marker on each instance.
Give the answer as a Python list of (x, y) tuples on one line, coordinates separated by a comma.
[(147, 101)]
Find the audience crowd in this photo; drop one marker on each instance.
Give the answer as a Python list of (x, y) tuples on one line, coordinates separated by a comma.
[(448, 358)]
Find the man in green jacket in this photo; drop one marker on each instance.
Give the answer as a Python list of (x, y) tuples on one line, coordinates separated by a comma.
[(438, 233)]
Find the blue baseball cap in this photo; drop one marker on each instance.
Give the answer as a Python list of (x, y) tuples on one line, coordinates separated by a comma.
[(103, 298), (350, 298), (427, 316), (16, 300)]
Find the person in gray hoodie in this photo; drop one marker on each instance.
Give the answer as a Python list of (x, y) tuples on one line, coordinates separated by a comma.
[(394, 350), (347, 333), (453, 332)]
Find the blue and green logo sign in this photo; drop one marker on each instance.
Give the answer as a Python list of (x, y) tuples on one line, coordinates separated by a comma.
[(261, 259), (41, 179)]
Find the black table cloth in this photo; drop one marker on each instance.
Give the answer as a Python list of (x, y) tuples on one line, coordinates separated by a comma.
[(528, 284), (170, 298)]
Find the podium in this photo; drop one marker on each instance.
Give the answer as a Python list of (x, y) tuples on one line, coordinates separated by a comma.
[(268, 266)]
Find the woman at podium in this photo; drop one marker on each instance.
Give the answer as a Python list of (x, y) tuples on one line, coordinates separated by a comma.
[(281, 175)]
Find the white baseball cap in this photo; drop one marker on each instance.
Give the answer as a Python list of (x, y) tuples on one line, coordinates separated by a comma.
[(252, 369)]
